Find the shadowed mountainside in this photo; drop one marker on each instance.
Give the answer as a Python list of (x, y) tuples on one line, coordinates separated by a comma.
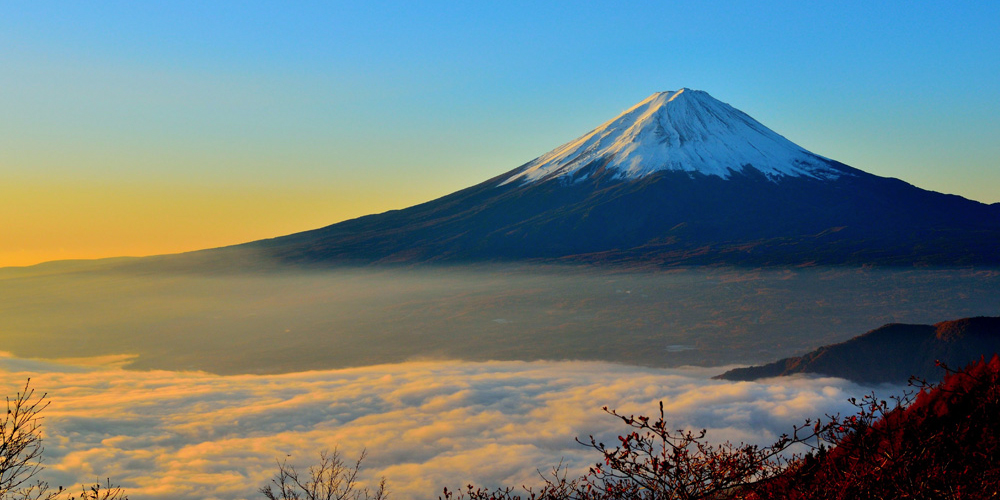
[(891, 353), (668, 218)]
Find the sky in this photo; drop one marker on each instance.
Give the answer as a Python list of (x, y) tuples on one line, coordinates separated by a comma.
[(138, 128)]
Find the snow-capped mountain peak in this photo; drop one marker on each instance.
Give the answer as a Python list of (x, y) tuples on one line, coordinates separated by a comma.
[(684, 130)]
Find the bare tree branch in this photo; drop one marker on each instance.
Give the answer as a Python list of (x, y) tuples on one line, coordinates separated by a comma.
[(330, 479)]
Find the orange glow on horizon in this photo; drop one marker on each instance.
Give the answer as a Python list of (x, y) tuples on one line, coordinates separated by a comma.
[(43, 222)]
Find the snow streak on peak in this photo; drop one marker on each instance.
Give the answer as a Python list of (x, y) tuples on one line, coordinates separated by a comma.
[(686, 130)]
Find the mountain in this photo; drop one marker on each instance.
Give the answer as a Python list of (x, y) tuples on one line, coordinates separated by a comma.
[(891, 353), (679, 178)]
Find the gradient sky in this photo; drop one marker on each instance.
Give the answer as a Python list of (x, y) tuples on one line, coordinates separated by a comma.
[(135, 128)]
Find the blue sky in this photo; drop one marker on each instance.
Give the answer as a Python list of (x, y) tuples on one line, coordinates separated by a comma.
[(222, 122)]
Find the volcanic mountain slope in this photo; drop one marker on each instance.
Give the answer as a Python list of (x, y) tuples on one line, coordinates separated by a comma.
[(680, 178), (891, 353)]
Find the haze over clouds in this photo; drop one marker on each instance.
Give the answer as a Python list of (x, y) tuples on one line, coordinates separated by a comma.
[(426, 425), (246, 322)]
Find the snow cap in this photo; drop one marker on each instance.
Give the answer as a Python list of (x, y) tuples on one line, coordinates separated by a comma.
[(684, 130)]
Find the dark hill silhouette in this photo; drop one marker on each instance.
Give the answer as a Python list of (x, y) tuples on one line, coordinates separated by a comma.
[(891, 353)]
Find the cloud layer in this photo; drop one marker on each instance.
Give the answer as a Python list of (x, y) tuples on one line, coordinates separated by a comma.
[(426, 425)]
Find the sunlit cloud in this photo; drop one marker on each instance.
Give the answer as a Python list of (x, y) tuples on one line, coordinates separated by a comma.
[(426, 425)]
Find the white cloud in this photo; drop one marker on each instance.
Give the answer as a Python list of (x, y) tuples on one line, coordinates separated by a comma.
[(426, 425)]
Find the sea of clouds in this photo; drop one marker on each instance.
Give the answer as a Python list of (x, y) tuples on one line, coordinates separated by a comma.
[(425, 425)]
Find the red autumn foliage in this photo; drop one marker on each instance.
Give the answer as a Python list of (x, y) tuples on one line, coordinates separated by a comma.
[(945, 444)]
